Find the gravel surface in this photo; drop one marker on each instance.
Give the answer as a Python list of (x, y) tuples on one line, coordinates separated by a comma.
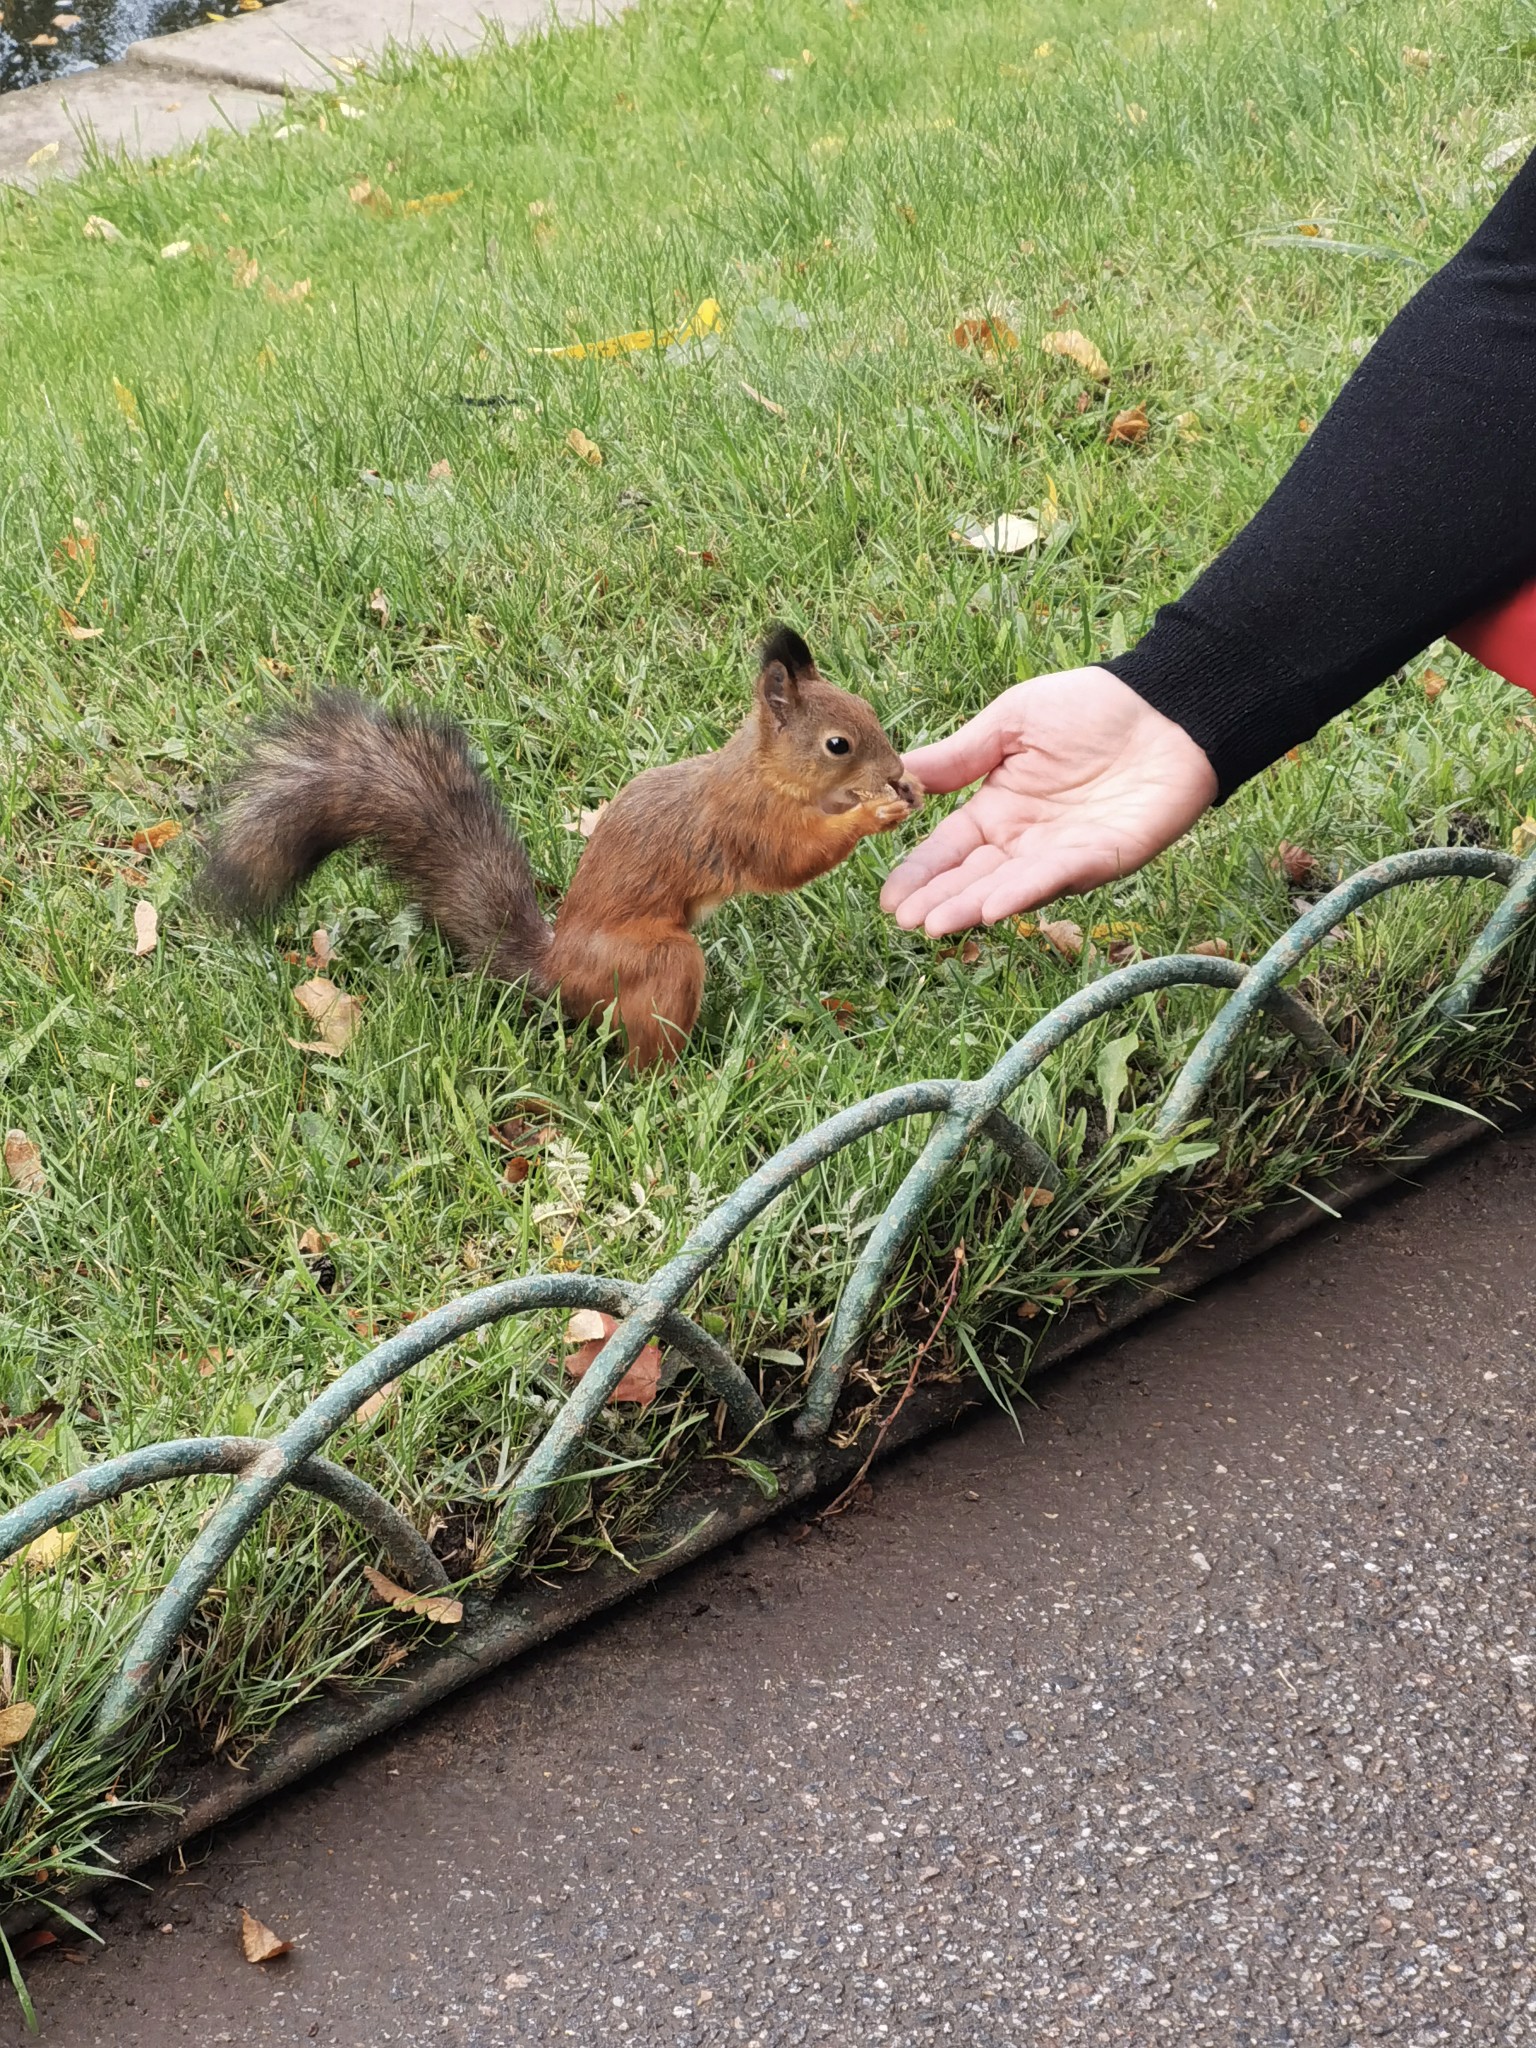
[(1200, 1709)]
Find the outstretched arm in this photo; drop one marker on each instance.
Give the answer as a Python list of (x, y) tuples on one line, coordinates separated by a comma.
[(1411, 507)]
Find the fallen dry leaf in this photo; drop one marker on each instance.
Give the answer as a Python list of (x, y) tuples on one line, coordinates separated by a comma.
[(1007, 533), (336, 1015), (967, 954), (1212, 949), (517, 1170), (379, 604), (210, 1362), (49, 1549), (1297, 865), (844, 1015), (1522, 844), (150, 838), (586, 821), (24, 1164), (589, 451), (172, 250), (44, 155), (146, 928), (706, 319), (320, 952), (244, 269), (258, 1942), (1418, 60), (65, 21), (767, 404), (1130, 426), (1064, 935), (366, 1410), (97, 229), (440, 473), (79, 546), (312, 1242), (15, 1722), (73, 630), (986, 333), (1077, 348), (43, 42), (373, 197), (440, 1607), (434, 202), (1433, 683), (287, 295), (127, 405), (588, 1331)]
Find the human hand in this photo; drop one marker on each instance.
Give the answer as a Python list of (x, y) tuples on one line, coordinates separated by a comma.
[(1085, 782)]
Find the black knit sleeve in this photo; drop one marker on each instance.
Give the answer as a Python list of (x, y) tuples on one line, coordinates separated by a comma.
[(1411, 506)]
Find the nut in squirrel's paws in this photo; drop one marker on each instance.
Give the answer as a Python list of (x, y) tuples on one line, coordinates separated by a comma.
[(896, 803)]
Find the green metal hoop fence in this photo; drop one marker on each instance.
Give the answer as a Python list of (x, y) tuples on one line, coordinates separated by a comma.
[(962, 1112)]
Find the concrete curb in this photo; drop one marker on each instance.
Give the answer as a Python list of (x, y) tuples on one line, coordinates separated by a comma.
[(166, 92)]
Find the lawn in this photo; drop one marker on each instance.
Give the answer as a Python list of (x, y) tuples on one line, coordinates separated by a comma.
[(287, 418)]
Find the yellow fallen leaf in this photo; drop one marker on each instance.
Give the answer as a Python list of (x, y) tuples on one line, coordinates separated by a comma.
[(707, 319), (49, 1549), (589, 451), (336, 1015), (435, 1606), (366, 1411), (986, 333), (1077, 348), (1522, 844), (1418, 60), (24, 1164), (1188, 424), (150, 838), (127, 405), (146, 927), (15, 1722), (433, 202), (259, 1943), (44, 155)]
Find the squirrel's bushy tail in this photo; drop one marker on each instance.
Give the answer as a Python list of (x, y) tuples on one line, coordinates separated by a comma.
[(344, 771)]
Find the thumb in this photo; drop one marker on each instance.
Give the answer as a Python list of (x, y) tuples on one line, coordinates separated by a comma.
[(967, 754)]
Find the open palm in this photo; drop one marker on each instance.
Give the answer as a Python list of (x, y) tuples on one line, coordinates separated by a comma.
[(1084, 782)]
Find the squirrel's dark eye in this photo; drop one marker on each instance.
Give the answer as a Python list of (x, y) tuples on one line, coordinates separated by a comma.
[(836, 744)]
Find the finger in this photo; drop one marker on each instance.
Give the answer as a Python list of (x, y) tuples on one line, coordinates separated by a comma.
[(945, 847), (969, 879), (965, 755)]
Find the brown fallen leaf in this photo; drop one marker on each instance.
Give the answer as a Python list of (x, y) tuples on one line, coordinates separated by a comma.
[(320, 952), (1077, 348), (1064, 935), (1130, 426), (150, 838), (379, 604), (1433, 683), (210, 1361), (43, 42), (15, 1722), (967, 954), (313, 1242), (844, 1015), (1418, 60), (589, 451), (258, 1942), (1212, 949), (588, 1331), (336, 1016), (586, 821), (1297, 865), (440, 472), (767, 404), (24, 1164), (244, 268), (287, 295), (79, 546), (366, 1410), (146, 928), (517, 1170), (373, 197), (441, 1607), (74, 630), (1522, 844), (986, 333)]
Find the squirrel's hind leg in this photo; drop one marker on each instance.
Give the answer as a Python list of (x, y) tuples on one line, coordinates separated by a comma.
[(659, 977)]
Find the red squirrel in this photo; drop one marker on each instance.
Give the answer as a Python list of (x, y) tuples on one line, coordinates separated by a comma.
[(807, 776)]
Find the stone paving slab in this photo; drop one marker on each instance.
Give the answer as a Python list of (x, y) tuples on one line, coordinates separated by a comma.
[(144, 113)]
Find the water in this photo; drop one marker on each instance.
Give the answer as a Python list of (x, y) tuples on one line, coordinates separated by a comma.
[(105, 29)]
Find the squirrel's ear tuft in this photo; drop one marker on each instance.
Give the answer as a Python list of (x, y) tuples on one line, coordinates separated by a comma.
[(785, 648)]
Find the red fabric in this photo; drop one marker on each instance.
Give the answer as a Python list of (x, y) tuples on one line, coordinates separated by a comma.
[(1504, 639)]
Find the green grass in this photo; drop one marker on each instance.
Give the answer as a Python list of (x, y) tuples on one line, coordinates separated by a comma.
[(848, 182)]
